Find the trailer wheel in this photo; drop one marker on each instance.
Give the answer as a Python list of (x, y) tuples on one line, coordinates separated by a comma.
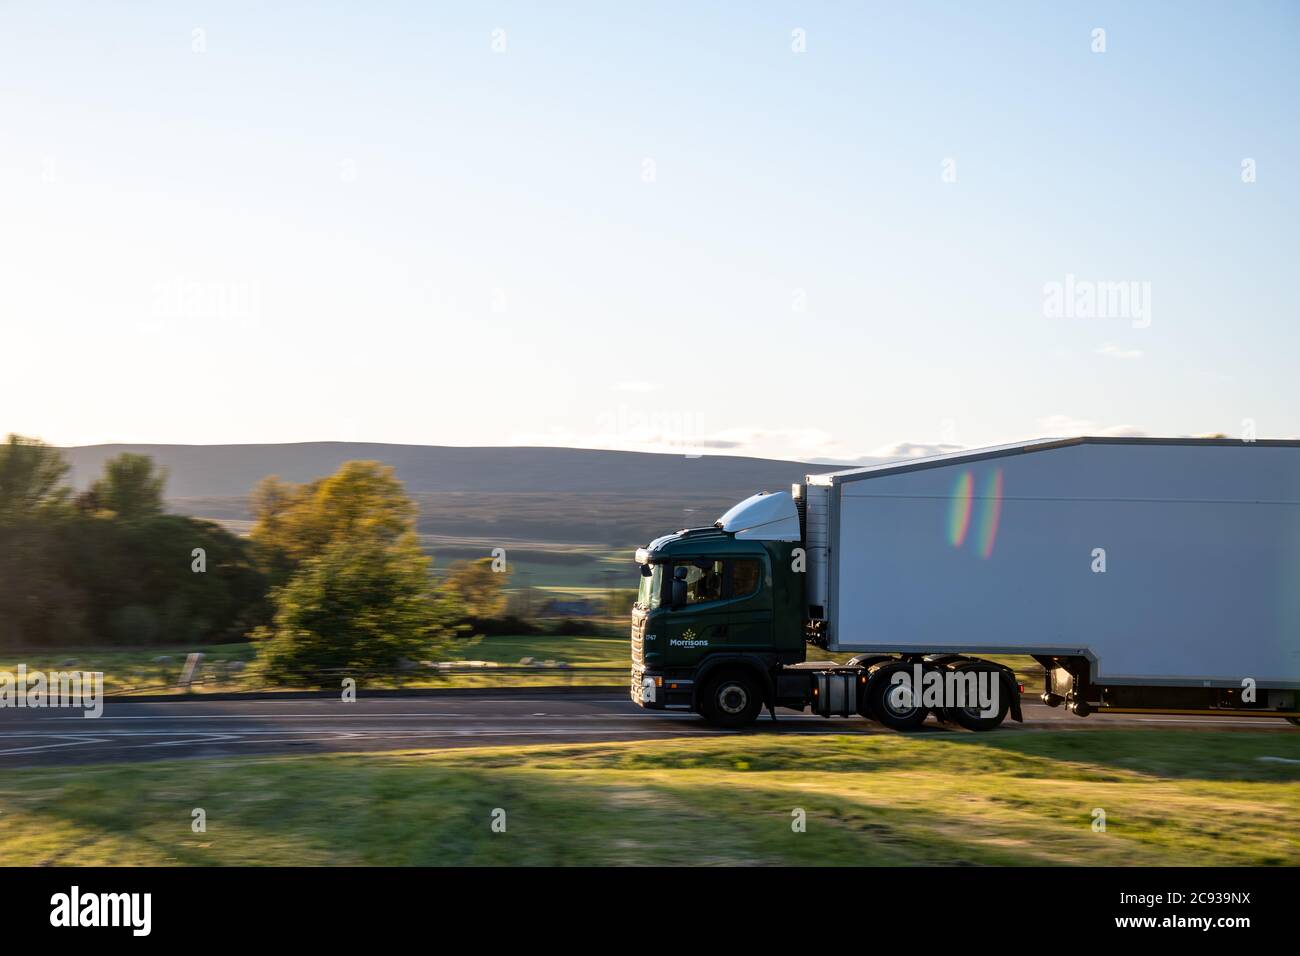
[(972, 718), (890, 704), (732, 699)]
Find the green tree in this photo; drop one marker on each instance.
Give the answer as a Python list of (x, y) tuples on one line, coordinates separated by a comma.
[(479, 589), (31, 478), (41, 602), (131, 487), (297, 522), (365, 604), (353, 589)]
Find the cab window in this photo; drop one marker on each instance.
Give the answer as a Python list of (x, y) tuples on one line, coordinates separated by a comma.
[(703, 583), (652, 586), (746, 573)]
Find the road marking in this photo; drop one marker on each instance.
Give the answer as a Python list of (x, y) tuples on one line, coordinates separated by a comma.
[(43, 747), (257, 716)]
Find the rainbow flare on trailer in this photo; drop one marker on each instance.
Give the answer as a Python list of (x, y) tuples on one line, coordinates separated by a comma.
[(990, 513), (959, 509)]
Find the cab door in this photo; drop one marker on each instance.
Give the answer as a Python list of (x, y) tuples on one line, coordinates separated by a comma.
[(748, 604), (687, 633)]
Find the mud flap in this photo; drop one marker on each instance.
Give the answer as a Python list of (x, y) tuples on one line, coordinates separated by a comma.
[(1013, 689)]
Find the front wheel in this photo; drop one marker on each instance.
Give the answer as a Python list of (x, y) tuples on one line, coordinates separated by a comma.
[(731, 700)]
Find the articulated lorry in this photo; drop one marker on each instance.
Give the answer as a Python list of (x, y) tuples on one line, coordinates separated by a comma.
[(1143, 575)]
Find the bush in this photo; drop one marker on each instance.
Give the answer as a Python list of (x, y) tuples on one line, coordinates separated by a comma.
[(365, 607), (576, 627), (78, 579), (507, 626), (133, 624)]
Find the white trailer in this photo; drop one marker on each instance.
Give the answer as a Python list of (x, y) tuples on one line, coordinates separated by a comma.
[(1125, 566)]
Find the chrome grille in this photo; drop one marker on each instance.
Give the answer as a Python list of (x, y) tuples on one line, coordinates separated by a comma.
[(638, 637)]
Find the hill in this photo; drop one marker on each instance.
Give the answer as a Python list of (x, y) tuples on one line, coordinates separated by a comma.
[(475, 495), (221, 471)]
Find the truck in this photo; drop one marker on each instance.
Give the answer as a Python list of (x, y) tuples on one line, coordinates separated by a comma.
[(1144, 576)]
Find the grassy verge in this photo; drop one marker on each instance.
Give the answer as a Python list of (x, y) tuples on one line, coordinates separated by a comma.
[(155, 670), (129, 667), (158, 669), (1170, 798)]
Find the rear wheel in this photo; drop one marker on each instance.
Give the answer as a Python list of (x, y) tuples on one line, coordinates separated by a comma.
[(732, 699), (974, 717), (897, 706)]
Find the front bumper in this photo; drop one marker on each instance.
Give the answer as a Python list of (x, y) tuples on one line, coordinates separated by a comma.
[(644, 692), (656, 692)]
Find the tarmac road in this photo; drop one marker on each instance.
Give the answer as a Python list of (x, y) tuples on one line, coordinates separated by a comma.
[(147, 731)]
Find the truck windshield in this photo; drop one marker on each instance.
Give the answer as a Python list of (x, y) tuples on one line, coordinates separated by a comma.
[(651, 587)]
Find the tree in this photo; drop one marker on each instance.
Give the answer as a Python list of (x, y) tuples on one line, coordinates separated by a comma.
[(131, 488), (479, 589), (297, 522), (353, 587), (364, 605), (31, 478)]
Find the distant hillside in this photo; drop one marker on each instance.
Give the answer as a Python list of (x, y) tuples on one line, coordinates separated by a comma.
[(226, 471), (540, 495)]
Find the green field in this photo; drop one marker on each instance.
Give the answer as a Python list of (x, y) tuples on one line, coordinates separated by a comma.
[(1170, 798), (137, 670)]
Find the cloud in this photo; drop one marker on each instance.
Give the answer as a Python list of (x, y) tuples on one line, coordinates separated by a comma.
[(913, 449), (1063, 426), (628, 429), (1110, 350)]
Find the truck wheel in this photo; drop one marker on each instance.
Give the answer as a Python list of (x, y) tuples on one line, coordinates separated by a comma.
[(972, 718), (889, 704), (732, 699)]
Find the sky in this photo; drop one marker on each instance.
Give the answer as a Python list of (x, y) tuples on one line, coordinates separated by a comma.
[(816, 231)]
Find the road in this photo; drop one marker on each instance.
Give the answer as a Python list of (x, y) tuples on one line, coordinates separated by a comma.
[(146, 731)]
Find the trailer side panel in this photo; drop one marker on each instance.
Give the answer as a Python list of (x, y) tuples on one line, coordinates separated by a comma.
[(1162, 563)]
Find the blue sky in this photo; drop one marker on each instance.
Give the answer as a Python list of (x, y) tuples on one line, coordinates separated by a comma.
[(362, 222)]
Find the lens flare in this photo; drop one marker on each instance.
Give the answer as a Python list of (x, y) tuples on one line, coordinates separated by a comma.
[(990, 512), (959, 509)]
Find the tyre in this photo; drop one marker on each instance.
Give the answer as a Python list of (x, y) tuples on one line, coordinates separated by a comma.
[(1294, 720), (732, 699), (891, 704), (973, 718)]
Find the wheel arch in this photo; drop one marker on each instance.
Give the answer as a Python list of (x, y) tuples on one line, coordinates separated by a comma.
[(716, 664)]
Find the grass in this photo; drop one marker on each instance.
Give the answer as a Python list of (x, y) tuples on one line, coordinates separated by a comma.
[(128, 667), (1170, 798), (137, 670), (134, 670)]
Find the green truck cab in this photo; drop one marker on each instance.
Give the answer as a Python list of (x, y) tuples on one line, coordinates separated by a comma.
[(716, 616)]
